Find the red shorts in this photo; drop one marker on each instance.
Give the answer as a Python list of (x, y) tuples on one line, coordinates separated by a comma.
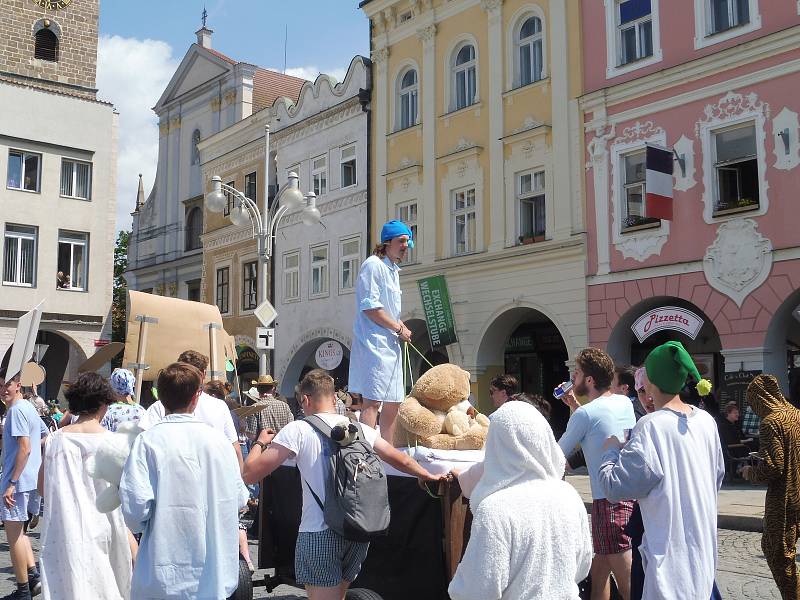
[(609, 520)]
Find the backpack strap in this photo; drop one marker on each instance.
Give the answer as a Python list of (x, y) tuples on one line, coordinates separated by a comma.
[(325, 430)]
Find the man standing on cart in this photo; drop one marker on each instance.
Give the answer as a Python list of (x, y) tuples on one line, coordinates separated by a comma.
[(376, 366)]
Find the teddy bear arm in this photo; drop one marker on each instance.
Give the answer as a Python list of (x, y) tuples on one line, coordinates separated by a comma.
[(417, 419), (440, 441), (456, 423)]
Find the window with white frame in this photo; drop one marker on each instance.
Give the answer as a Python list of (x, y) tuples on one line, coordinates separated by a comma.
[(407, 213), (464, 77), (634, 191), (465, 221), (348, 164), (250, 285), (634, 30), (349, 257), (19, 255), (76, 179), (727, 14), (229, 199), (528, 50), (736, 169), (24, 171), (319, 175), (531, 197), (407, 99), (291, 276), (73, 259), (319, 270), (223, 289)]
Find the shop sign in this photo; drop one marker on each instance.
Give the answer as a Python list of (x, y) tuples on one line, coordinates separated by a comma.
[(667, 317), (438, 311), (329, 355)]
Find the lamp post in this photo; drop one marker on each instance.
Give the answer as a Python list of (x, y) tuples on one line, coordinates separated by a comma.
[(264, 219)]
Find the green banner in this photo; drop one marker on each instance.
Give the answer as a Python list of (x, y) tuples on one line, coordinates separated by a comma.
[(438, 312)]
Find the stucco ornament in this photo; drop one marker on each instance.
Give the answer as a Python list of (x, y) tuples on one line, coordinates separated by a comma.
[(739, 260)]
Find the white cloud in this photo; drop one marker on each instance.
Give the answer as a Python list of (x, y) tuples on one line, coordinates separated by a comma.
[(311, 72), (132, 74)]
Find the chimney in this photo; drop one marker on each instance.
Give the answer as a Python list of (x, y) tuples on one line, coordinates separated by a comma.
[(204, 37)]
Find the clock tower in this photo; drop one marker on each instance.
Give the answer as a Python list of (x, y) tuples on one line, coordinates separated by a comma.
[(50, 44)]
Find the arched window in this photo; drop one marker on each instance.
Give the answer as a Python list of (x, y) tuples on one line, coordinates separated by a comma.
[(529, 52), (465, 83), (195, 149), (194, 228), (407, 100), (46, 45)]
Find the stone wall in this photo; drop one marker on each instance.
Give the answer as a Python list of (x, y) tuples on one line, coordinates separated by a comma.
[(76, 28)]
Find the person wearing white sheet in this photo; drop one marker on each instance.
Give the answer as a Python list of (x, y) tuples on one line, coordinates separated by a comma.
[(530, 533)]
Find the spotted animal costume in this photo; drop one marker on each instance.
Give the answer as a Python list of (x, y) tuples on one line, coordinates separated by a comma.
[(779, 435)]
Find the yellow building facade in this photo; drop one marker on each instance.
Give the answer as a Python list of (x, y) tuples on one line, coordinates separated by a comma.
[(475, 145)]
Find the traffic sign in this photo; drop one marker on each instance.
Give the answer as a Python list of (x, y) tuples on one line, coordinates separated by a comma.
[(265, 338), (265, 313)]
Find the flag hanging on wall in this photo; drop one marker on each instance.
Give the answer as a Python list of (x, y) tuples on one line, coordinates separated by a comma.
[(658, 183)]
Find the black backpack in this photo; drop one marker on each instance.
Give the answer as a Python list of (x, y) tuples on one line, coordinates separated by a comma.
[(356, 494)]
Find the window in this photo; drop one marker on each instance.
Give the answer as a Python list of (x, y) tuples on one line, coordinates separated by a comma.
[(73, 258), (319, 270), (464, 221), (634, 30), (46, 45), (348, 162), (250, 186), (76, 179), (192, 290), (727, 14), (350, 255), (635, 193), (407, 100), (23, 170), (528, 51), (407, 213), (531, 195), (250, 285), (229, 200), (195, 149), (194, 229), (19, 255), (319, 175), (223, 289), (464, 77), (406, 16), (736, 166), (291, 276)]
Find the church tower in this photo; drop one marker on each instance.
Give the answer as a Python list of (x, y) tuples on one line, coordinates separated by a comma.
[(50, 44)]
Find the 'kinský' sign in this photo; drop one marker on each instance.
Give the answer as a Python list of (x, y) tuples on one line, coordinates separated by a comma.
[(438, 312), (667, 317)]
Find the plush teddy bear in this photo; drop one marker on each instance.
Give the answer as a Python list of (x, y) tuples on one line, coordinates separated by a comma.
[(437, 414), (107, 464)]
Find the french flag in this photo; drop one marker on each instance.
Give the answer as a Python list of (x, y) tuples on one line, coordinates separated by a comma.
[(658, 182)]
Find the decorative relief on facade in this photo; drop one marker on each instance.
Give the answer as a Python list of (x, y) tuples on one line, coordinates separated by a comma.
[(597, 148), (216, 104), (327, 208), (311, 126), (229, 97), (684, 169), (786, 134), (528, 124), (427, 35), (739, 260), (163, 128), (729, 106), (638, 131)]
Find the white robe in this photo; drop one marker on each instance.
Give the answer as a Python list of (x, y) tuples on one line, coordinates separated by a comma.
[(85, 554), (182, 487), (530, 535), (673, 465)]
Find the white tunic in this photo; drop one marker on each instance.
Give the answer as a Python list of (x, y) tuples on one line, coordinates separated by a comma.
[(673, 465), (85, 554)]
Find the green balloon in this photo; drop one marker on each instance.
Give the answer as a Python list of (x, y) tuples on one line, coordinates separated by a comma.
[(229, 365), (154, 391)]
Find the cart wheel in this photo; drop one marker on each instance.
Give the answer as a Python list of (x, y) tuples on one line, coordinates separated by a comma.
[(362, 594), (245, 589)]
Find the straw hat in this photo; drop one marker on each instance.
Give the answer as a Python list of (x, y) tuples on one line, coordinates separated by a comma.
[(264, 380)]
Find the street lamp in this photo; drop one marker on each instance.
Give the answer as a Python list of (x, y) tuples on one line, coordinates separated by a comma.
[(264, 219)]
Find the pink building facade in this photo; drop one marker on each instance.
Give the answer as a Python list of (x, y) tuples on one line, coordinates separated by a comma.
[(718, 81)]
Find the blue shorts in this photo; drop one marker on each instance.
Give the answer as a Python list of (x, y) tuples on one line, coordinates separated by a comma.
[(325, 559), (24, 503)]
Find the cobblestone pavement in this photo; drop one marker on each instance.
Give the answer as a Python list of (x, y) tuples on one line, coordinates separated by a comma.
[(742, 574)]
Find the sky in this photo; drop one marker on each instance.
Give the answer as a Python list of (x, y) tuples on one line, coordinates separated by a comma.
[(142, 43)]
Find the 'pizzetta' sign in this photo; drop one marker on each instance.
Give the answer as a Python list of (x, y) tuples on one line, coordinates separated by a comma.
[(667, 317)]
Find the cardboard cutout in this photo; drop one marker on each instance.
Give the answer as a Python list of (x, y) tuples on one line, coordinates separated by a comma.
[(101, 357), (24, 340), (32, 374)]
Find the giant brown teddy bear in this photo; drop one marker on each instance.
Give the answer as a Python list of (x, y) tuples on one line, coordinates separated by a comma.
[(436, 414)]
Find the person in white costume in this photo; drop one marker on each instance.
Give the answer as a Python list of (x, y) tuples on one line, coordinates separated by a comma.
[(673, 465), (85, 553), (530, 533)]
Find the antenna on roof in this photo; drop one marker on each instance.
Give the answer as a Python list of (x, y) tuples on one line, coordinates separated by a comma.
[(205, 15), (285, 43)]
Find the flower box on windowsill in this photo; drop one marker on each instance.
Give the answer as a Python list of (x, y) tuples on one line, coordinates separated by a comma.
[(742, 205), (530, 239)]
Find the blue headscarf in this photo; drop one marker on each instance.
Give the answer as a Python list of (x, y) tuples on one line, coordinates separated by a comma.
[(122, 382)]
